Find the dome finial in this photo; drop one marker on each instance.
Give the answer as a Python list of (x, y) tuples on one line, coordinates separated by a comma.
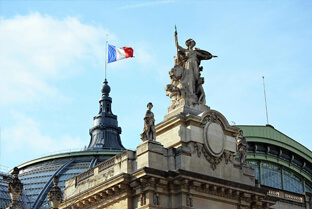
[(105, 88)]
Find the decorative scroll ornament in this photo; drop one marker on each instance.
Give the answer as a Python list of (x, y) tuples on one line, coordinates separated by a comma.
[(199, 149), (228, 156), (212, 117)]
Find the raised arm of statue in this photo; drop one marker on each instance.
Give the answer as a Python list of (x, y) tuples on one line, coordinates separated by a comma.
[(176, 41)]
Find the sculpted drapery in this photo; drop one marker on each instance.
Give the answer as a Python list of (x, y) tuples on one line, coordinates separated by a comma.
[(186, 84), (149, 133)]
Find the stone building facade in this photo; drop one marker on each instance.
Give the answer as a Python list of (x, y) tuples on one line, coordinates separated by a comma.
[(191, 165)]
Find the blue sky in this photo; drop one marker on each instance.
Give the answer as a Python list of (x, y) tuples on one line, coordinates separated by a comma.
[(52, 66)]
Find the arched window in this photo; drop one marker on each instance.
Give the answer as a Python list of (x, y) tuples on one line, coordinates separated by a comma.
[(255, 165), (308, 188), (271, 175), (292, 182)]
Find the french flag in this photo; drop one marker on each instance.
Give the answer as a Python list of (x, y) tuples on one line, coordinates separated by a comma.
[(115, 53)]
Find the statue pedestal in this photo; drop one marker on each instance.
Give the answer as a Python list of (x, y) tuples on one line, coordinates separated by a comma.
[(194, 110), (204, 143), (150, 154)]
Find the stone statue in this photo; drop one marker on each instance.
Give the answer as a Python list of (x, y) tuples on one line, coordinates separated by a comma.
[(185, 87), (149, 132), (242, 147), (15, 188), (55, 195)]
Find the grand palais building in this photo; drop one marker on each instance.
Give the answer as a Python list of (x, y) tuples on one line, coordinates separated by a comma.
[(193, 163)]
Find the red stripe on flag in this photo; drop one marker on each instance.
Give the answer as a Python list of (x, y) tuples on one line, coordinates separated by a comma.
[(128, 52)]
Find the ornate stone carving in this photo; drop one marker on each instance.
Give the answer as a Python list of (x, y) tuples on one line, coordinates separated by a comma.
[(212, 160), (149, 132), (85, 175), (156, 199), (242, 147), (186, 87), (189, 201), (228, 156), (107, 174), (143, 199), (197, 149), (212, 117), (15, 188), (108, 163), (55, 195)]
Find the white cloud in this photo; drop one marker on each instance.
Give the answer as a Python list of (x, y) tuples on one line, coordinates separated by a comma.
[(37, 49), (26, 135)]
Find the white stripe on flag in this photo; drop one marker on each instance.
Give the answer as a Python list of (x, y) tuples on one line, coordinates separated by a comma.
[(120, 53)]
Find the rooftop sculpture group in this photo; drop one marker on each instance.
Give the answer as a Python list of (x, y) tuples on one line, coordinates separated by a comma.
[(186, 87)]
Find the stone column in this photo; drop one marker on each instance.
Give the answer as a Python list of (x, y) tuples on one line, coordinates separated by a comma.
[(15, 188)]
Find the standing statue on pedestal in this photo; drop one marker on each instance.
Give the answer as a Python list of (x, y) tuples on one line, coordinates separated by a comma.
[(242, 147), (55, 194), (15, 188), (149, 133), (185, 87)]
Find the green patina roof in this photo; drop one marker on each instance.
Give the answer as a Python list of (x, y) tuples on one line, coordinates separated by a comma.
[(267, 134)]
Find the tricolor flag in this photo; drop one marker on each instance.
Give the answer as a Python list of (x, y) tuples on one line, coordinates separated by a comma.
[(115, 53)]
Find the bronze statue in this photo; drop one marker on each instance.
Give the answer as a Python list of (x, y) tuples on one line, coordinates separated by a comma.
[(242, 147), (149, 132)]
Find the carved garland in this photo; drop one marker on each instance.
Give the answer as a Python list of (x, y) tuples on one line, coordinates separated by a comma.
[(212, 160), (213, 117), (228, 156)]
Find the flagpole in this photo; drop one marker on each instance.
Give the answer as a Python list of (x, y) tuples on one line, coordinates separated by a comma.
[(266, 109), (106, 55)]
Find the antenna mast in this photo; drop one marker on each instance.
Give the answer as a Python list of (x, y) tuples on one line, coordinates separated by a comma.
[(266, 109)]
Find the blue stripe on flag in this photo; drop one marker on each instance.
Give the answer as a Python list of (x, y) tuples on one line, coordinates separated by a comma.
[(111, 53)]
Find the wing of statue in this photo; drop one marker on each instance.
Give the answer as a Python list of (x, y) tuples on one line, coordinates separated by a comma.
[(203, 55)]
